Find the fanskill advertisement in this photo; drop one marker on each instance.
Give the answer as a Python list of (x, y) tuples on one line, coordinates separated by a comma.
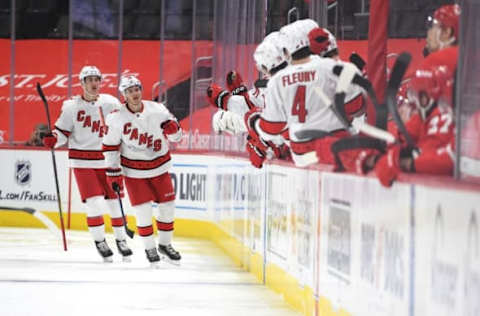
[(27, 179)]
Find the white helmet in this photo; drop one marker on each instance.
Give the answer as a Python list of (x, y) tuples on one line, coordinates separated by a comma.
[(268, 54), (297, 34), (88, 71), (128, 82)]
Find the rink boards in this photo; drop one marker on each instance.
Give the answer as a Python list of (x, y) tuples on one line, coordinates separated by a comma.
[(332, 244)]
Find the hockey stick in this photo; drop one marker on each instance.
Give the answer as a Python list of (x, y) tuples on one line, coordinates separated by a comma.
[(365, 128), (129, 232), (42, 218), (357, 60), (399, 69), (365, 84), (348, 75), (115, 186), (42, 96)]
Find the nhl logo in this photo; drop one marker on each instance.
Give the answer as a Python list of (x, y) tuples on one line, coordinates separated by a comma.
[(23, 172)]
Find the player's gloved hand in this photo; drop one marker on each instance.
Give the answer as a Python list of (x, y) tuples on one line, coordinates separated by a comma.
[(235, 83), (256, 155), (217, 96), (226, 121), (387, 167), (169, 127), (284, 152), (255, 139), (49, 140), (359, 160), (319, 41), (115, 180)]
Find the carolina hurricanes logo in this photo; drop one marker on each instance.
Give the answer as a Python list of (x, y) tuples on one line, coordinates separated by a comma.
[(144, 139), (95, 126)]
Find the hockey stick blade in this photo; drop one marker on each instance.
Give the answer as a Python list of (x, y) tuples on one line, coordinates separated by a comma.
[(130, 233), (399, 70), (357, 60)]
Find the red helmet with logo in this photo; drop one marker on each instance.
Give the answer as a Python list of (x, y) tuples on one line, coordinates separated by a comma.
[(430, 85), (448, 16)]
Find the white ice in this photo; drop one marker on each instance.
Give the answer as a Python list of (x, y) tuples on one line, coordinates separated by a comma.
[(38, 278)]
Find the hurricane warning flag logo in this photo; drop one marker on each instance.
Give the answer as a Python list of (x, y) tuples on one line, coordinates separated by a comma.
[(23, 172)]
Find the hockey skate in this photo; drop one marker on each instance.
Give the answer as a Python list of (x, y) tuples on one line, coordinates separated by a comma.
[(170, 254), (124, 250), (104, 250), (153, 257)]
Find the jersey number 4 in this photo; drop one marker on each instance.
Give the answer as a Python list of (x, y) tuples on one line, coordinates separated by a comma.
[(298, 106)]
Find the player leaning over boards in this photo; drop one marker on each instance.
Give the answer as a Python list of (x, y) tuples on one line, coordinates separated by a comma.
[(80, 124), (136, 147), (293, 104)]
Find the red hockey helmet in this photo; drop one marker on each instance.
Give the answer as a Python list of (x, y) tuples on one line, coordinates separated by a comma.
[(430, 85), (448, 16)]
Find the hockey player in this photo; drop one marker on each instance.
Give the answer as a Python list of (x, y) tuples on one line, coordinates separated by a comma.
[(136, 149), (443, 29), (80, 124), (238, 100), (269, 59), (293, 104), (432, 129), (433, 126)]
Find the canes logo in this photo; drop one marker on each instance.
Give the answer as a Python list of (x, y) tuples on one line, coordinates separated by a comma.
[(23, 172)]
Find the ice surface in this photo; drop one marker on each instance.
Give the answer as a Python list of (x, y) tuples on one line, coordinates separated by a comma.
[(38, 278)]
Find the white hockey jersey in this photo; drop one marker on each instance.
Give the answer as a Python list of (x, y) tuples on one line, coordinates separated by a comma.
[(80, 124), (135, 141), (292, 102)]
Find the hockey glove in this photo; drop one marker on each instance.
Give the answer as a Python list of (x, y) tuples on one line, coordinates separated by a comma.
[(387, 167), (358, 160), (49, 140), (226, 121), (217, 96), (235, 83), (319, 41), (256, 155), (114, 179), (169, 127)]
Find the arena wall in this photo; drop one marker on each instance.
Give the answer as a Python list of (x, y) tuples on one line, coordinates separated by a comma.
[(331, 244)]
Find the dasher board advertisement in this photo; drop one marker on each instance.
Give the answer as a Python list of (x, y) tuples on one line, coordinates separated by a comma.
[(447, 252), (364, 239), (27, 179)]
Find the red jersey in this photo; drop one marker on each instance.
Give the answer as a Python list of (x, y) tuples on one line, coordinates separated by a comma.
[(433, 137)]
